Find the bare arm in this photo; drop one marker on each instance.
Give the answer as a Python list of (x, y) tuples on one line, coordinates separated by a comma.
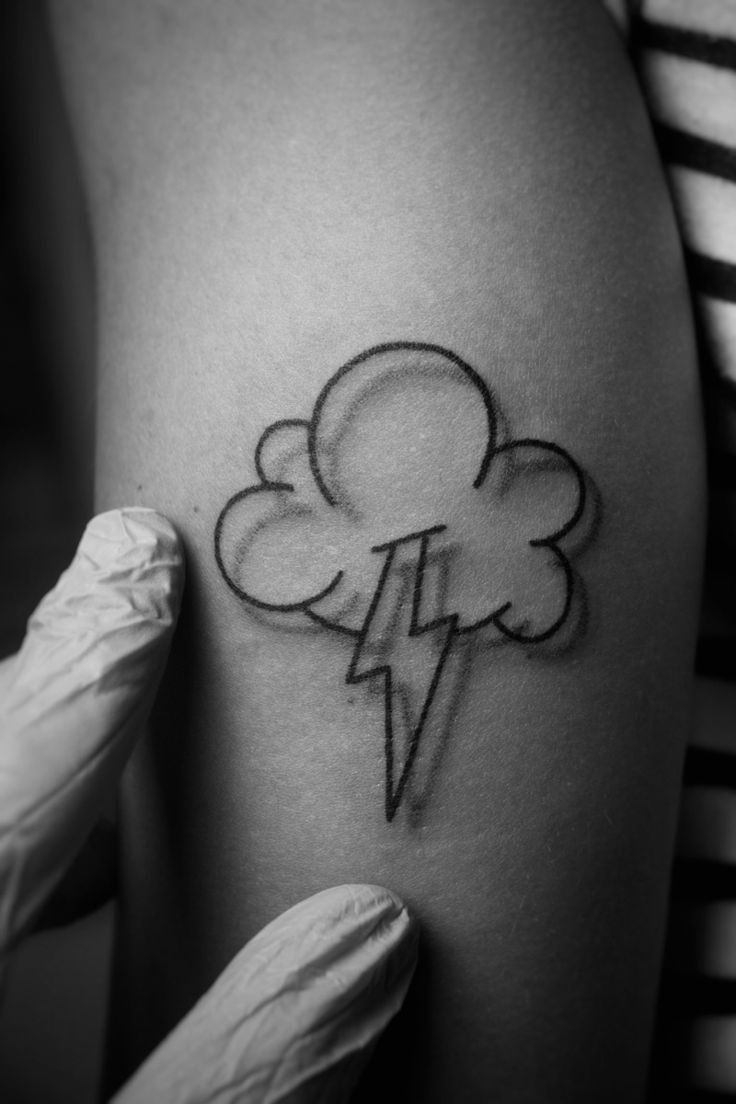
[(279, 191)]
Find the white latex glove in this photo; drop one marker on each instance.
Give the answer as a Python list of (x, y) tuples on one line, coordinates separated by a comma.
[(295, 1015)]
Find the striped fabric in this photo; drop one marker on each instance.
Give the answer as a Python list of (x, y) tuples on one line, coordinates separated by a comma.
[(687, 55), (685, 52)]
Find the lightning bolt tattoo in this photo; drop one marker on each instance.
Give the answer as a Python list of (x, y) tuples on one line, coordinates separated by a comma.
[(408, 654)]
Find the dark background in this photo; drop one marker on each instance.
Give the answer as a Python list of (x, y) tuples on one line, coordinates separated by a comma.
[(52, 1015)]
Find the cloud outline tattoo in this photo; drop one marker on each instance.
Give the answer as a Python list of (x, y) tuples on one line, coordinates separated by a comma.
[(359, 466)]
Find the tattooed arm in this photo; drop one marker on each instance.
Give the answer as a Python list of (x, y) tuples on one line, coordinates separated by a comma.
[(393, 326)]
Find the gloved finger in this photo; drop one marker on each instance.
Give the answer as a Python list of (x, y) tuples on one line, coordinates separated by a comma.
[(75, 697), (296, 1014)]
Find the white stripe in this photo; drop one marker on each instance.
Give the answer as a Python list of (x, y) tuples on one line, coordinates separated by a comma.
[(702, 939), (691, 95), (706, 206), (707, 825), (712, 16), (713, 1053), (720, 324), (714, 711)]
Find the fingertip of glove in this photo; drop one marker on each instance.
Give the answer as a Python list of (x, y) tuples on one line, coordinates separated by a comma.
[(349, 952), (131, 558), (113, 608), (353, 950), (346, 916), (297, 1013), (349, 928), (130, 536)]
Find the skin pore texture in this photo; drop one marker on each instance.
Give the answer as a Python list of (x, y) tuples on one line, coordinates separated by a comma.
[(430, 243)]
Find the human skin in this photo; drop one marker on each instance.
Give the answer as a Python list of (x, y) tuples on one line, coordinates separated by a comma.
[(275, 188)]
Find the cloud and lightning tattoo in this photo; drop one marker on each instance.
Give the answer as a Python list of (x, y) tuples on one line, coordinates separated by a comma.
[(400, 461)]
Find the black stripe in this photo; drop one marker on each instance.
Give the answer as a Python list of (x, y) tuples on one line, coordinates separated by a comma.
[(696, 45), (705, 767), (710, 276), (718, 388), (715, 657), (679, 1092), (677, 147), (720, 559), (698, 995), (704, 1096), (701, 880), (721, 470)]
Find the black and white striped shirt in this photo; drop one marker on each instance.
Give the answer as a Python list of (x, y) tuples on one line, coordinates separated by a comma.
[(685, 53)]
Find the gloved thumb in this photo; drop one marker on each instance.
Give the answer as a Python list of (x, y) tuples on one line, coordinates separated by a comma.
[(295, 1016)]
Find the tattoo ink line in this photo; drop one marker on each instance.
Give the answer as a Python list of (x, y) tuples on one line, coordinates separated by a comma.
[(392, 669), (405, 437)]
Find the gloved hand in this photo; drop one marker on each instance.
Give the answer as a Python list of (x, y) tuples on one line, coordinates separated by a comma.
[(296, 1013)]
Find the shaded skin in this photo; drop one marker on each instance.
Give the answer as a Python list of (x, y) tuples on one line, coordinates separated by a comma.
[(273, 188)]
